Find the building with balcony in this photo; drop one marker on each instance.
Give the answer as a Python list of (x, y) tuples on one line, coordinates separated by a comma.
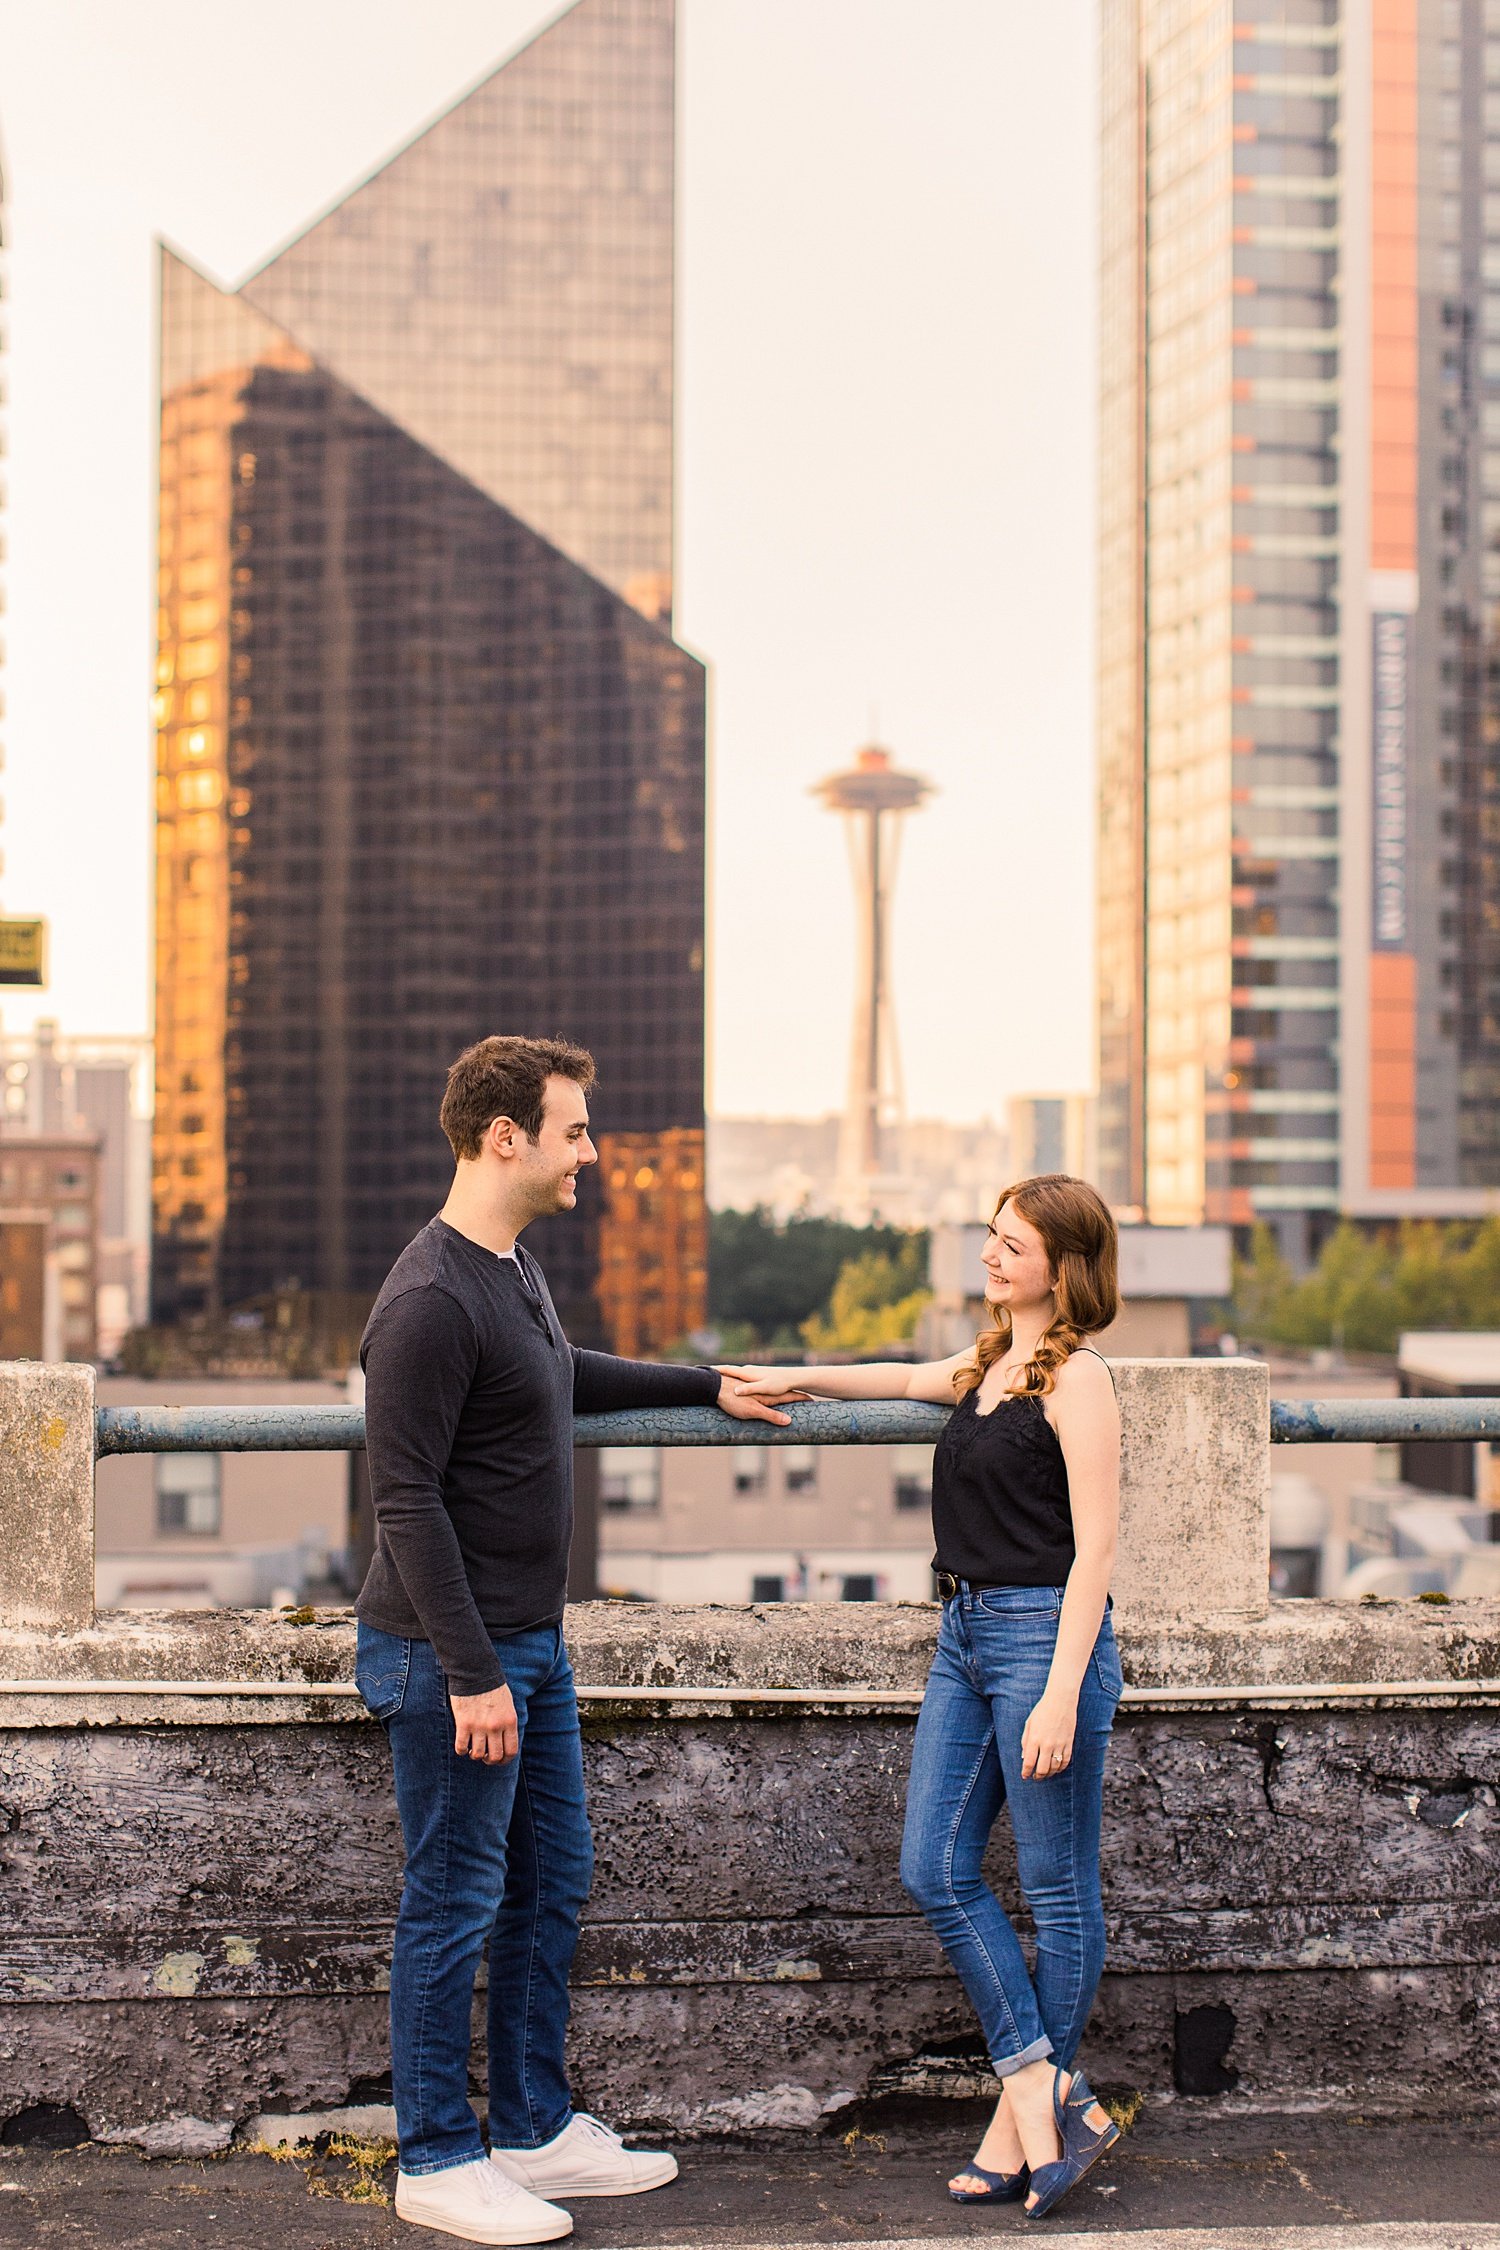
[(1299, 887), (430, 762)]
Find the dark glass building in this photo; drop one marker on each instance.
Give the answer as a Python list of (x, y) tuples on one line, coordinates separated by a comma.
[(431, 764)]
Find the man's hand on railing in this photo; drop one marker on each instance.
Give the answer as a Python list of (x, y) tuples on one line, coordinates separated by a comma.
[(737, 1398)]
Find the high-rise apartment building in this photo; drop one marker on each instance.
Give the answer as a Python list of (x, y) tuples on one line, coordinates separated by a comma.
[(431, 764), (1299, 885)]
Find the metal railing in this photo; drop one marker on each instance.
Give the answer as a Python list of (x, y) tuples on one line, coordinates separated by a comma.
[(1382, 1421), (337, 1429), (341, 1429)]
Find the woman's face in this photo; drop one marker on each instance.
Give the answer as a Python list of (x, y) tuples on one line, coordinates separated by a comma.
[(1018, 1272)]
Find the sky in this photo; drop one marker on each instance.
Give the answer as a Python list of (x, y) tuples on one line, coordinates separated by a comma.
[(886, 392)]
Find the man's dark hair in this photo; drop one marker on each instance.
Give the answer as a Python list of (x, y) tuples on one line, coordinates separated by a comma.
[(506, 1077)]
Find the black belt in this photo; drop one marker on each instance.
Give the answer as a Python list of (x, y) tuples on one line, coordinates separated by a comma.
[(948, 1585)]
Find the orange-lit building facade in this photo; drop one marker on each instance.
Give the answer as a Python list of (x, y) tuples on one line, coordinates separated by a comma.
[(653, 1239), (1300, 738), (430, 763)]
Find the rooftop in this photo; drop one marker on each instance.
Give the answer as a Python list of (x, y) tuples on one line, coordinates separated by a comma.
[(1451, 1355), (1180, 2181)]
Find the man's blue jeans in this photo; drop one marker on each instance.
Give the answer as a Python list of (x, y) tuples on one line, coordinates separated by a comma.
[(497, 1855), (993, 1655)]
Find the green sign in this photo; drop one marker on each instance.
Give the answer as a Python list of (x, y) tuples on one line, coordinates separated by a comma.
[(23, 951)]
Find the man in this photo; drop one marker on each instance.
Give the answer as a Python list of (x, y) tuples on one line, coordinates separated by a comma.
[(471, 1388)]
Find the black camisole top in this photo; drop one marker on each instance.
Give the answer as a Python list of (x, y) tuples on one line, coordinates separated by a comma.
[(1001, 1511)]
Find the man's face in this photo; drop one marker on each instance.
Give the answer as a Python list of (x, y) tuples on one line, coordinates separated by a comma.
[(551, 1163)]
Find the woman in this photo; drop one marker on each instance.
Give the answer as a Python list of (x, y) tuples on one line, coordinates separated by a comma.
[(1023, 1688)]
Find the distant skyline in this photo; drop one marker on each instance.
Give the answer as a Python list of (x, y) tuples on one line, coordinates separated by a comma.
[(885, 510)]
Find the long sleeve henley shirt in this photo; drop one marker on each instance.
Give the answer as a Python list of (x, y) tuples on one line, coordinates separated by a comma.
[(470, 1391)]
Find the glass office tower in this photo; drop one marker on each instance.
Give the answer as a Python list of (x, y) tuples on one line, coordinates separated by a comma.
[(1300, 731), (431, 764)]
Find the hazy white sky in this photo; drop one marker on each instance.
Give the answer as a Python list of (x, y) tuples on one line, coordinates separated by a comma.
[(886, 408)]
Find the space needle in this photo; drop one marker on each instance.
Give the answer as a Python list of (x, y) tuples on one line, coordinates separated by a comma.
[(874, 797)]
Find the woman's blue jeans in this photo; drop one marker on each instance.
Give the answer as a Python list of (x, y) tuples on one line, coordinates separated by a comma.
[(993, 1655), (497, 1855)]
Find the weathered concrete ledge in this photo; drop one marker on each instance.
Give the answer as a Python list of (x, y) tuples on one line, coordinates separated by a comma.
[(258, 1662)]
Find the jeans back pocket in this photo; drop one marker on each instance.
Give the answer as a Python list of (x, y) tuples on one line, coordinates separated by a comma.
[(382, 1662)]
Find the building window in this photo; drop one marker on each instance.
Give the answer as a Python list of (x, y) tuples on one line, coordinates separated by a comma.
[(801, 1465), (187, 1494), (859, 1586), (629, 1478), (767, 1588), (749, 1469), (913, 1476)]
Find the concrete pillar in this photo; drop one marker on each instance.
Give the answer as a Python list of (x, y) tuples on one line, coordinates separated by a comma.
[(1195, 1487), (46, 1496)]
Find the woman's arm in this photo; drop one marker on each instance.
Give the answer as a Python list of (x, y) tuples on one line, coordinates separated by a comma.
[(1087, 1421), (932, 1379)]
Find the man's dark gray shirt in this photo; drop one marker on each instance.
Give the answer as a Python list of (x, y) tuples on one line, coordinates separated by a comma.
[(470, 1391)]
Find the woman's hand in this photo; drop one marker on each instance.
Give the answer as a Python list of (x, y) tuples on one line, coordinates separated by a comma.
[(743, 1405), (1047, 1737), (762, 1383)]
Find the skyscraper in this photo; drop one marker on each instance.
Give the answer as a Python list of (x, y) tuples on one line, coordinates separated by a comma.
[(1299, 873), (430, 760)]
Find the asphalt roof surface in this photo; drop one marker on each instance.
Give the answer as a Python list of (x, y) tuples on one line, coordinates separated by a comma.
[(1180, 2179)]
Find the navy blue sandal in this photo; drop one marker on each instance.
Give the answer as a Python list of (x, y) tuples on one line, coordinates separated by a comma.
[(1000, 2187), (1081, 2146)]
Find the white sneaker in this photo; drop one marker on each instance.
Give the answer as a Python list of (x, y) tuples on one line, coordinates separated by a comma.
[(478, 2203), (586, 2158)]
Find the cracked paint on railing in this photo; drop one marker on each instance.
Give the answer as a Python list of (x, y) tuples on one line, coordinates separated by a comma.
[(341, 1429)]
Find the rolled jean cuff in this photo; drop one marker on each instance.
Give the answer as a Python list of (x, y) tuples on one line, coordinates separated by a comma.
[(1038, 2051), (442, 2164)]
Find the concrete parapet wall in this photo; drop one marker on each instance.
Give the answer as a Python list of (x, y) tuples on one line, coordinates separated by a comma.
[(1301, 1901), (46, 1495), (1195, 1479), (1194, 1491)]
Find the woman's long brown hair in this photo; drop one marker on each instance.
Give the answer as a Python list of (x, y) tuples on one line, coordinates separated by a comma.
[(1082, 1242)]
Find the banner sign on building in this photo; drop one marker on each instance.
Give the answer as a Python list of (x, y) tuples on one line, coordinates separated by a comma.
[(1389, 677), (23, 951)]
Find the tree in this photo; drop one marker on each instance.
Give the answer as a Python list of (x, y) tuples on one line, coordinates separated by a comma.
[(1261, 1284), (765, 1280), (875, 1302), (1368, 1287)]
